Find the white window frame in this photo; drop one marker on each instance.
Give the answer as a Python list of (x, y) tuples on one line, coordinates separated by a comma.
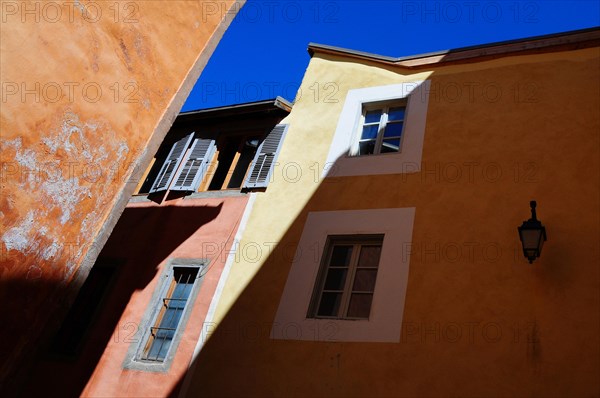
[(340, 161), (385, 321), (382, 124), (357, 242)]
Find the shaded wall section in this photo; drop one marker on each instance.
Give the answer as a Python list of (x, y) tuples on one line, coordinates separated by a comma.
[(143, 242), (89, 89)]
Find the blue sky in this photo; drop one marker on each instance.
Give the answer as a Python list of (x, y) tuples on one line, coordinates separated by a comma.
[(263, 53)]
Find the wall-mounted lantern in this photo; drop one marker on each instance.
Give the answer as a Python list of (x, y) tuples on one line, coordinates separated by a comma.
[(533, 235)]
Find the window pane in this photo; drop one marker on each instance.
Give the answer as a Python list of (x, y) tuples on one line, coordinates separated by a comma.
[(392, 145), (369, 256), (393, 129), (373, 116), (366, 147), (330, 304), (171, 317), (160, 346), (360, 305), (369, 132), (336, 277), (340, 256), (180, 291), (396, 113), (364, 280)]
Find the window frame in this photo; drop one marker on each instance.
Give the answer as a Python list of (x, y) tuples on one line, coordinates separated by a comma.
[(134, 359), (167, 295), (385, 107), (356, 241), (385, 321), (339, 163)]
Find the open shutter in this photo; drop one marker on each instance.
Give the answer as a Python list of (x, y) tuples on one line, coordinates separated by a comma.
[(195, 165), (165, 175), (264, 160)]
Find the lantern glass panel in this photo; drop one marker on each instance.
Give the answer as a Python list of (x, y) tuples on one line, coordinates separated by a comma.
[(531, 238)]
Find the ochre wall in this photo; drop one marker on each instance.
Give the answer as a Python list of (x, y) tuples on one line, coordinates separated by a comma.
[(478, 319), (88, 91)]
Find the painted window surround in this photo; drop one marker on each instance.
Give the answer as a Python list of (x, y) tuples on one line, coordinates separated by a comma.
[(408, 160), (385, 321), (132, 359)]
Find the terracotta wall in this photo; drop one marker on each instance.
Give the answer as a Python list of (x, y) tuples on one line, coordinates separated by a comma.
[(146, 237), (88, 91), (478, 319)]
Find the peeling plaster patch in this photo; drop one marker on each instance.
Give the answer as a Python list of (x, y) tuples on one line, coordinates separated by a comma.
[(146, 103), (66, 194), (88, 222), (22, 238), (123, 148), (70, 147), (102, 154), (72, 141), (17, 238), (26, 158), (72, 138), (51, 251), (16, 143), (63, 140), (52, 144)]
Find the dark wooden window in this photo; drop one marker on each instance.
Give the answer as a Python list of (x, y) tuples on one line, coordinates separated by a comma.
[(346, 282)]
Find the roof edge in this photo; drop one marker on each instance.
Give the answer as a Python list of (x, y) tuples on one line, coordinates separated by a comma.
[(278, 102), (284, 104), (589, 36)]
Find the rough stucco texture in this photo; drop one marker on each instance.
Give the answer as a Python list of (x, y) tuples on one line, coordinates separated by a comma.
[(84, 87)]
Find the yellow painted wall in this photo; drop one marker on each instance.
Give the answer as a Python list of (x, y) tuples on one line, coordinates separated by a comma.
[(478, 319), (88, 91)]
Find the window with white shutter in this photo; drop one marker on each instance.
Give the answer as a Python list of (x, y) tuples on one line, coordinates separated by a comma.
[(264, 161), (195, 165), (167, 171)]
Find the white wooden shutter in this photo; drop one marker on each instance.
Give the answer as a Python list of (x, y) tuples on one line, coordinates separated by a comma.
[(195, 165), (165, 175), (264, 160)]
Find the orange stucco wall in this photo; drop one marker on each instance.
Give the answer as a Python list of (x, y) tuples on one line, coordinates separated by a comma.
[(88, 91), (478, 319)]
